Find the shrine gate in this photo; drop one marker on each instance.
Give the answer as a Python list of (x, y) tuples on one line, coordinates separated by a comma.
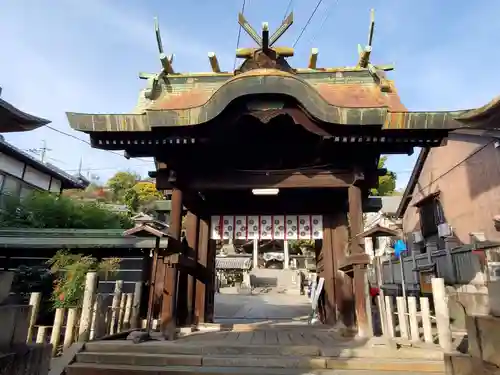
[(312, 136)]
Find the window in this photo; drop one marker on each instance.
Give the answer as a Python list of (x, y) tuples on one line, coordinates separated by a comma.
[(11, 186), (431, 215), (26, 190)]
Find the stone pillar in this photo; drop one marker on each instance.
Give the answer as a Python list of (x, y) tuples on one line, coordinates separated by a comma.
[(286, 251), (356, 226), (255, 253)]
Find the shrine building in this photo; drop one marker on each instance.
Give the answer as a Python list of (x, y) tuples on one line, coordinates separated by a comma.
[(270, 151)]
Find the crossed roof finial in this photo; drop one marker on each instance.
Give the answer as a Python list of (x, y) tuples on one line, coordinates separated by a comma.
[(265, 41)]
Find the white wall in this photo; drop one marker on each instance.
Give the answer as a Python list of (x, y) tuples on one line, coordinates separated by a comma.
[(55, 186), (15, 169), (11, 165), (37, 178)]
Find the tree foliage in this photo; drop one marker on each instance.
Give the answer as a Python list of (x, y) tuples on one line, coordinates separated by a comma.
[(70, 270), (142, 196), (386, 183), (45, 210), (121, 183)]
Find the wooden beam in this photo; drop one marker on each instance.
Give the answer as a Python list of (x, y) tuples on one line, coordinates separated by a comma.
[(243, 180)]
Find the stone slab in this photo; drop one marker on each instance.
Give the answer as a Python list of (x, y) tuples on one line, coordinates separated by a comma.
[(484, 338), (265, 361), (90, 369), (140, 359), (373, 364)]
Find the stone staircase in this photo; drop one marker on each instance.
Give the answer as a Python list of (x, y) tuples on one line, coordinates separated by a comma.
[(206, 357)]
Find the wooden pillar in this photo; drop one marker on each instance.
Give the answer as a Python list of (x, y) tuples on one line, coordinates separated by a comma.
[(202, 256), (327, 271), (344, 296), (168, 313), (356, 227), (192, 226), (210, 290)]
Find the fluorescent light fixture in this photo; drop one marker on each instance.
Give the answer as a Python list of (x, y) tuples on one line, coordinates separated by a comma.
[(265, 191)]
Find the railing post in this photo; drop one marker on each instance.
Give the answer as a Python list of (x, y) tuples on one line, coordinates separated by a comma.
[(55, 336), (87, 306), (115, 307), (35, 299), (136, 305), (70, 328), (442, 314)]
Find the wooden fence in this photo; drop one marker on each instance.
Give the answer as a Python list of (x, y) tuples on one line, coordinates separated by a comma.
[(97, 317), (411, 319)]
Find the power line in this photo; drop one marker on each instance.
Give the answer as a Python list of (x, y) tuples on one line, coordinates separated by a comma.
[(307, 23), (239, 35), (323, 21), (288, 7), (87, 142)]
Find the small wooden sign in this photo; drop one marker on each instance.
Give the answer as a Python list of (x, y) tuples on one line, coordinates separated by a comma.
[(426, 277)]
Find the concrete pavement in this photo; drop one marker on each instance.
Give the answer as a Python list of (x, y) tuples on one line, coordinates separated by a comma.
[(260, 306)]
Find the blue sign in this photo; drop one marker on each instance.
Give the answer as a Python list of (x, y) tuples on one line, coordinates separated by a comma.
[(399, 248)]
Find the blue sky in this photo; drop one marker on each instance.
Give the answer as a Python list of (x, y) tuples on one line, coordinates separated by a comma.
[(84, 56)]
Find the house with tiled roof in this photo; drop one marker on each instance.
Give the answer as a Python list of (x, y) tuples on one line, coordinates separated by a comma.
[(21, 173)]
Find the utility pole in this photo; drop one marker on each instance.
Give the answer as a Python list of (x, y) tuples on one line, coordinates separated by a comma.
[(42, 151)]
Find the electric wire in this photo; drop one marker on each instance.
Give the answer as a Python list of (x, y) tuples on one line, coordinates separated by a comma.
[(307, 23), (288, 8), (87, 142), (239, 35), (323, 21)]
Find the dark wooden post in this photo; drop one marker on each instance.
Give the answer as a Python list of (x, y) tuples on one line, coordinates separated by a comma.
[(344, 296), (202, 256), (168, 311), (192, 227), (326, 268), (356, 226), (210, 289)]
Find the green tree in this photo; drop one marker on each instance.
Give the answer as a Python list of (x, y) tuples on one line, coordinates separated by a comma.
[(45, 210), (120, 183), (386, 183), (141, 196), (70, 271)]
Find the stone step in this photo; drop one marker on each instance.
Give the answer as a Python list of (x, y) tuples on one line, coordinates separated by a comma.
[(263, 361), (207, 349), (107, 369)]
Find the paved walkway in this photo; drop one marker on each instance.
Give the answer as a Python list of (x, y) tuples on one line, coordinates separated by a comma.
[(263, 306)]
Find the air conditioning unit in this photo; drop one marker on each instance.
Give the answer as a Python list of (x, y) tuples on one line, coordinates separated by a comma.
[(417, 237), (444, 230)]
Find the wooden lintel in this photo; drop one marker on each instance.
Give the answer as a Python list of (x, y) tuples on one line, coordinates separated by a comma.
[(240, 180), (354, 260)]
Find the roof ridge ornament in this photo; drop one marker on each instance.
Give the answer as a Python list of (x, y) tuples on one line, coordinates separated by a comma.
[(264, 41), (167, 67), (365, 54), (265, 55)]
